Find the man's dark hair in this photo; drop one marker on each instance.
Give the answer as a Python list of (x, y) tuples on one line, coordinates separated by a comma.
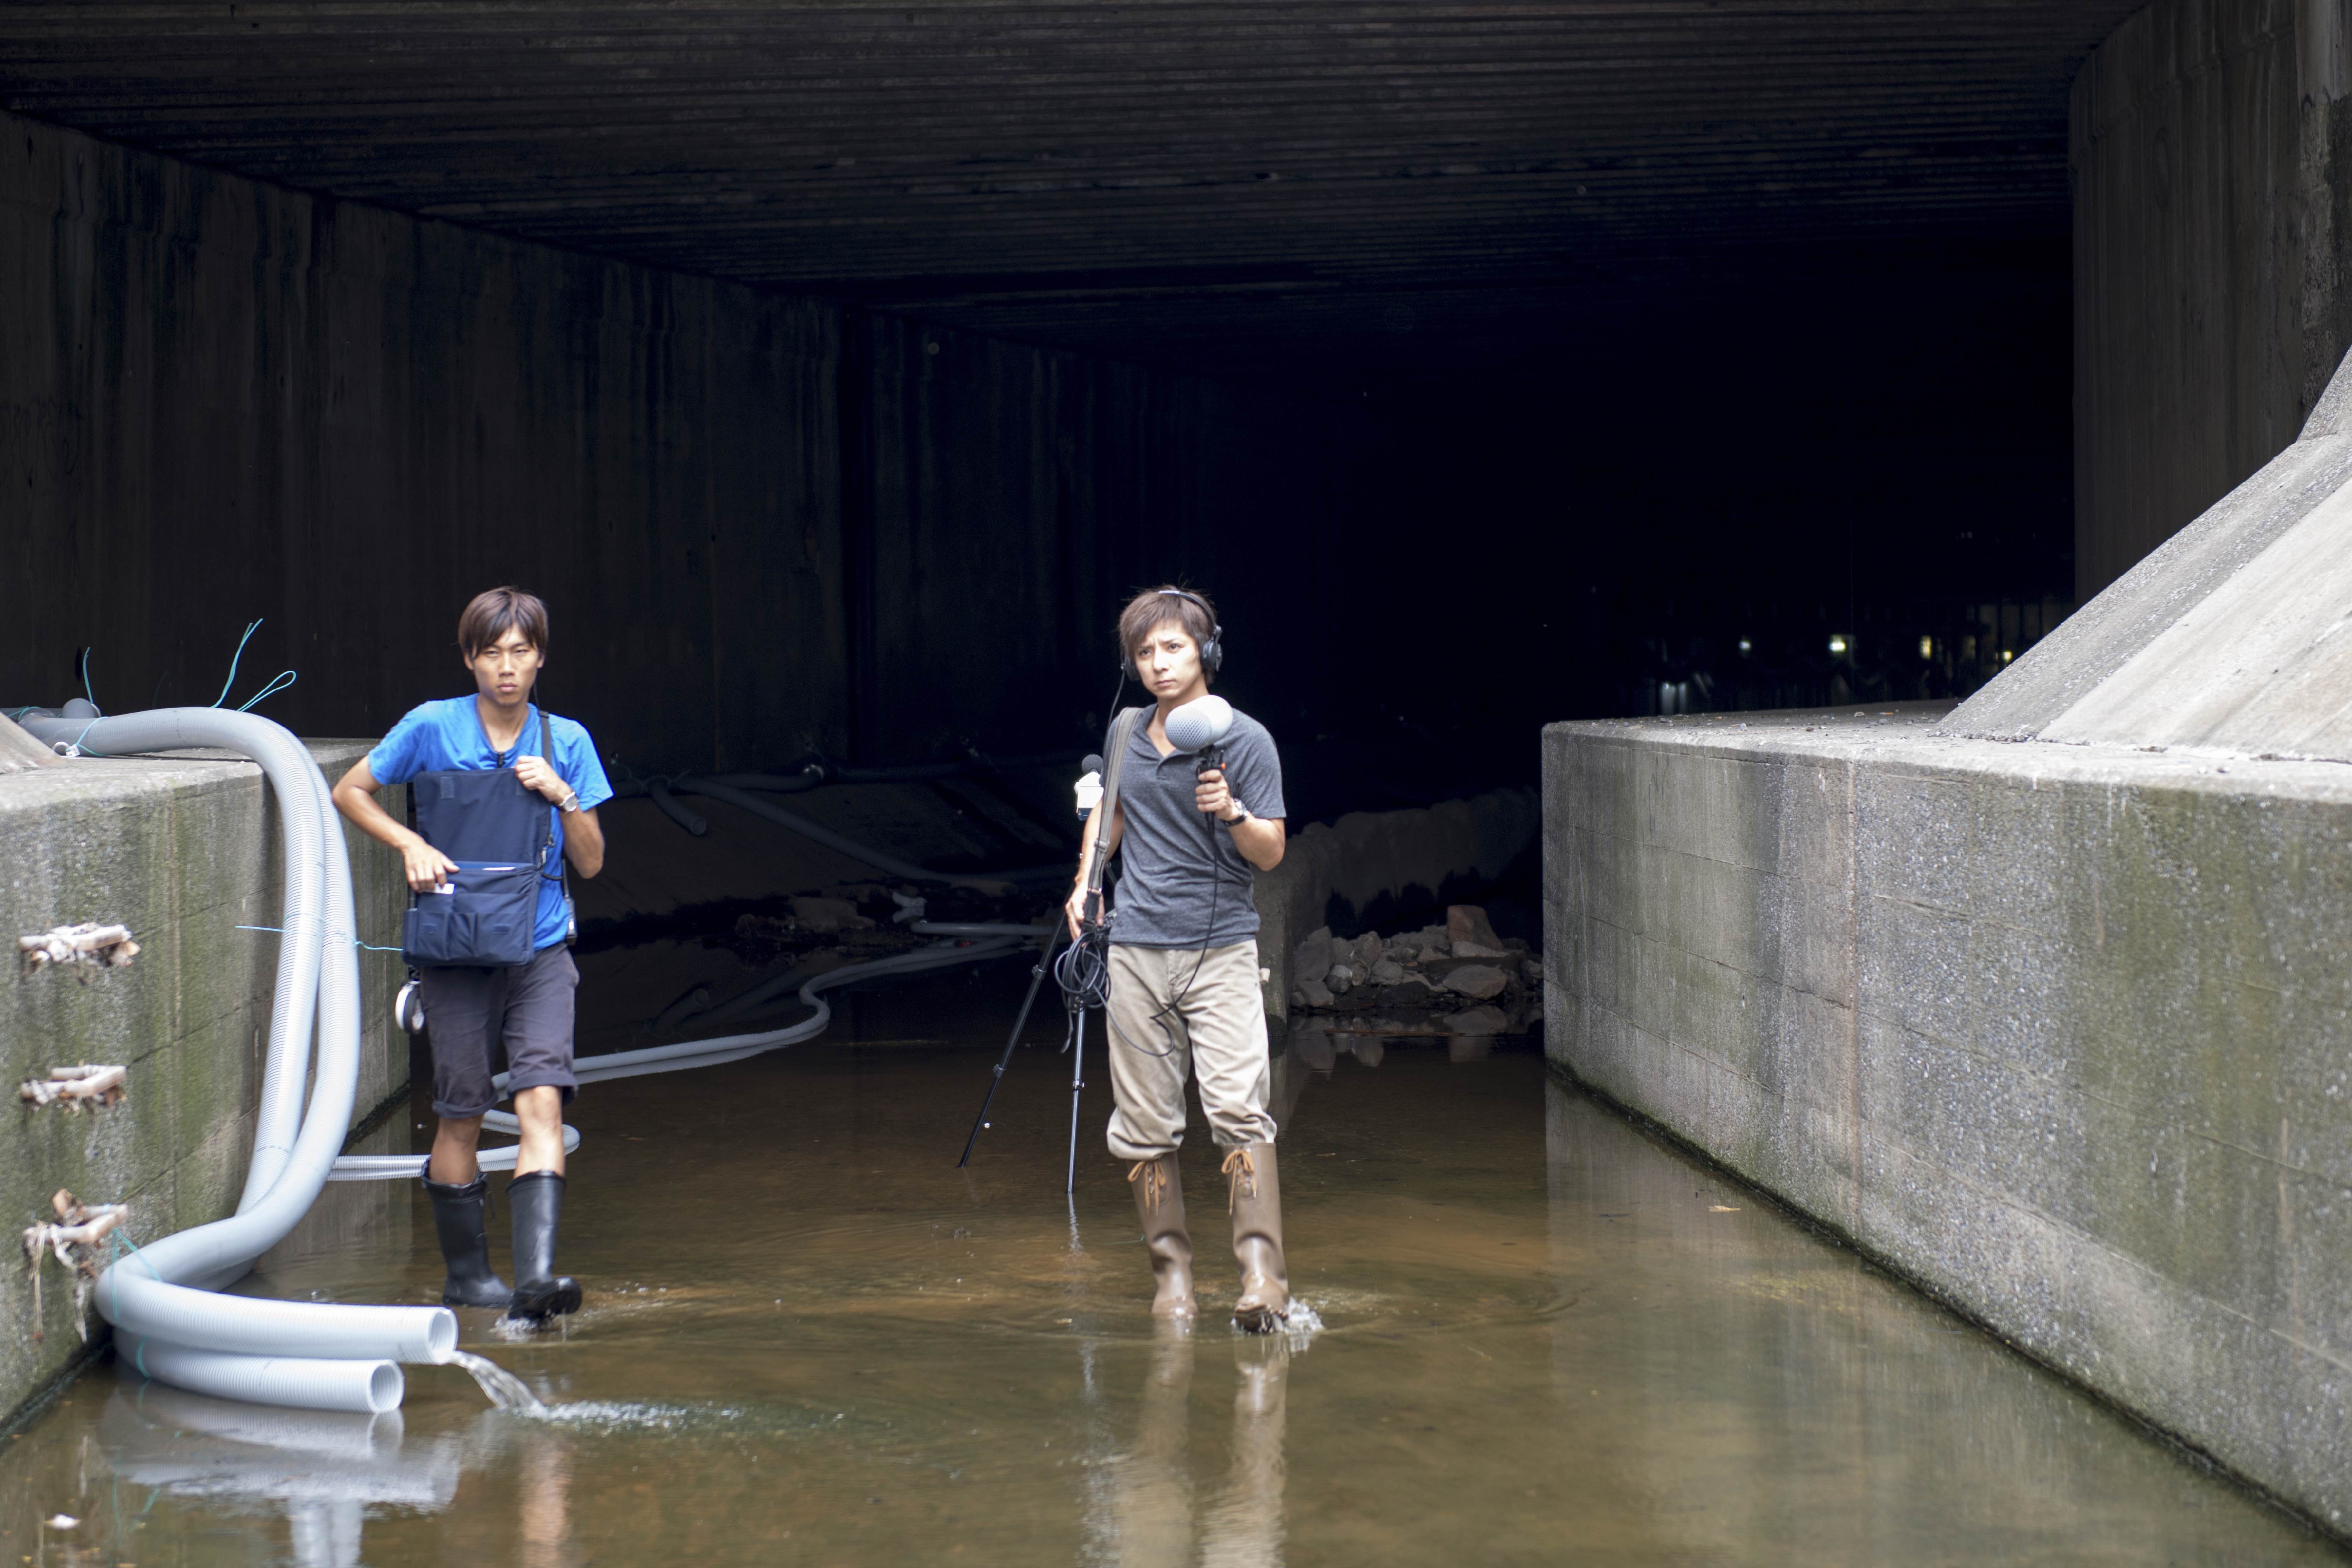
[(493, 615), (1148, 609)]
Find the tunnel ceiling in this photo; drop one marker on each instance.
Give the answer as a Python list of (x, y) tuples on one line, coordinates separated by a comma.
[(1303, 187)]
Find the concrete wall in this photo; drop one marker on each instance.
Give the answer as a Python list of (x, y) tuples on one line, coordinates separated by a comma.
[(2213, 230), (765, 525), (183, 851), (2060, 1032), (220, 400)]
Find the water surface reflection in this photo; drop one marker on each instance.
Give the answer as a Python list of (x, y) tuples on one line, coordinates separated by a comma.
[(808, 1337)]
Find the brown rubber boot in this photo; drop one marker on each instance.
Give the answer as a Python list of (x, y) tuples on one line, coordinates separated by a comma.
[(1255, 1196), (1159, 1205)]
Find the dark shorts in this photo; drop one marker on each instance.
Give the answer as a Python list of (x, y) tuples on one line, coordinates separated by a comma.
[(469, 1013)]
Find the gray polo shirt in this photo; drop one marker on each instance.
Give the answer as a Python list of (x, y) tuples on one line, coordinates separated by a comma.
[(1181, 881)]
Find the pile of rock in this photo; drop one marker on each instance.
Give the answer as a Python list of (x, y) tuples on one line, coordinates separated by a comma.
[(1445, 972)]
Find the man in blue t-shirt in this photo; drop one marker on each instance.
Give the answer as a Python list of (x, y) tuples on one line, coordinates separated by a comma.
[(470, 1010)]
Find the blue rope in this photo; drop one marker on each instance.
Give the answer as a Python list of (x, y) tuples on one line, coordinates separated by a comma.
[(231, 661), (122, 1239), (355, 940), (86, 691), (116, 1241), (278, 683)]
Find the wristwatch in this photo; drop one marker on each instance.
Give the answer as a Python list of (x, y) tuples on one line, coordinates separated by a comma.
[(570, 803), (1235, 821)]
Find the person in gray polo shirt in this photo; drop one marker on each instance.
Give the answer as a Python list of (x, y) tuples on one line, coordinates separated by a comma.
[(1184, 993)]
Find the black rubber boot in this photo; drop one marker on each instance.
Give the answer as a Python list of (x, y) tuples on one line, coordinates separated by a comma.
[(539, 1292), (460, 1213)]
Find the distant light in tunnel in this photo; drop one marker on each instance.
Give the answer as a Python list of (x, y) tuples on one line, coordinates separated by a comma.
[(1926, 648), (2006, 656), (1837, 644), (1747, 646)]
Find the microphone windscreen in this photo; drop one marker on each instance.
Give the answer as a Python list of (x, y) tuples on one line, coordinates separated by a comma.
[(1092, 764), (1200, 723)]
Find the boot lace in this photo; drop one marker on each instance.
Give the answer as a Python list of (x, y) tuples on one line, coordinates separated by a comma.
[(1155, 1180), (1241, 1176)]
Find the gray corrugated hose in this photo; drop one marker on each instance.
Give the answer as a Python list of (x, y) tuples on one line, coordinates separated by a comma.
[(332, 1357), (161, 1300)]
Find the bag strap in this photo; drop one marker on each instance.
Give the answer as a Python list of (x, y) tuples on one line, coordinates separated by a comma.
[(547, 817), (562, 866), (1122, 731)]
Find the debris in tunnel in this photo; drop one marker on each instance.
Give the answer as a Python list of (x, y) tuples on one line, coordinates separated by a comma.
[(1454, 978), (93, 944), (85, 1085), (72, 1238)]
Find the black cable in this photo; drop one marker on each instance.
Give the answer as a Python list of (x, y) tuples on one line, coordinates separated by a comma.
[(1083, 969), (1167, 1009)]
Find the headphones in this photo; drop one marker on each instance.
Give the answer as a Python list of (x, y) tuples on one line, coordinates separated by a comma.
[(1212, 652)]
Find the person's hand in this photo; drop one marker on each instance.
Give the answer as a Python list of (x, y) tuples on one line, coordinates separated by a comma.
[(536, 774), (1074, 909), (1210, 794), (426, 867)]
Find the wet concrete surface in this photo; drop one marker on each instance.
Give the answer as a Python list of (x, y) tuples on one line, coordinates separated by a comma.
[(808, 1336)]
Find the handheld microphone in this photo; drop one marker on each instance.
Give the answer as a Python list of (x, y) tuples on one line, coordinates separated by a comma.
[(1202, 725), (1089, 786)]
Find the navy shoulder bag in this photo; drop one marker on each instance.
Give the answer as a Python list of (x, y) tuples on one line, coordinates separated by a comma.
[(500, 834)]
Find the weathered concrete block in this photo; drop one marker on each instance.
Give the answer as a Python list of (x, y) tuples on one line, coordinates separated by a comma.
[(2063, 1033), (183, 850)]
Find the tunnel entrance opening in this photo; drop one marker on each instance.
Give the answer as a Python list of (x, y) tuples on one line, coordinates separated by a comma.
[(1487, 369)]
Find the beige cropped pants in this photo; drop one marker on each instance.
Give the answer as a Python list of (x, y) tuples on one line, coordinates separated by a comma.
[(1162, 1032)]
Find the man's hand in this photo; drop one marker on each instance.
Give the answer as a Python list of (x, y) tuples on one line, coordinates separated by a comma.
[(536, 774), (1211, 795), (427, 868), (1073, 909)]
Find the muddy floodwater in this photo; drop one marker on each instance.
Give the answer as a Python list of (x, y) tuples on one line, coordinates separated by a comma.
[(809, 1337)]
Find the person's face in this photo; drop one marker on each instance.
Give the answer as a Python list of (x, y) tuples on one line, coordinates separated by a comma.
[(1168, 660), (504, 671)]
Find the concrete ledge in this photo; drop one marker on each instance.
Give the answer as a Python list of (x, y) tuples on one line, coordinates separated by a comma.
[(182, 849), (2061, 1032), (1367, 858)]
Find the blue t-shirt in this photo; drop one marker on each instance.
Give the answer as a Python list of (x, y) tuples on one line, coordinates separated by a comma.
[(447, 737)]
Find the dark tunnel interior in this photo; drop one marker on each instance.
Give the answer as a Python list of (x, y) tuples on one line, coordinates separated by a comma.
[(1488, 367)]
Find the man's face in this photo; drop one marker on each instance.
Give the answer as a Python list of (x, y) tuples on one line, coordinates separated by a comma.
[(1168, 660), (504, 671)]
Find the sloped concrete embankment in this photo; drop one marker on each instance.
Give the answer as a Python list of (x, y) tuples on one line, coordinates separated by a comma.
[(182, 849), (2063, 1033)]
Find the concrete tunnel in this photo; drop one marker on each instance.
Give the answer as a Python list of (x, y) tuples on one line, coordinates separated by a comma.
[(835, 373), (1575, 363)]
